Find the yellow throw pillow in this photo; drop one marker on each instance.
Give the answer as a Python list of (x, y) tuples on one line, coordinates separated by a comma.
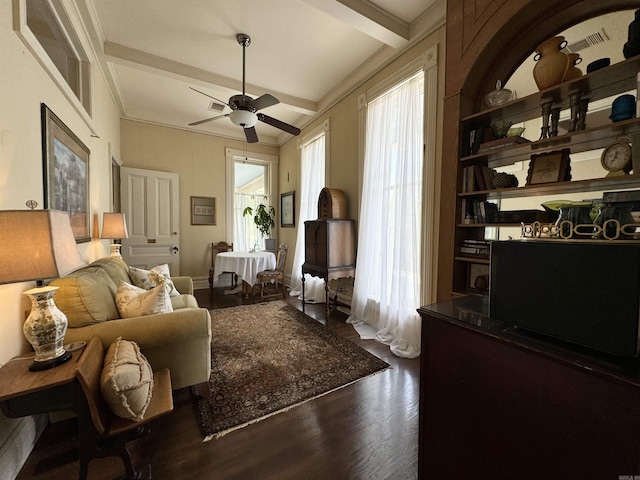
[(126, 382), (134, 301), (86, 297)]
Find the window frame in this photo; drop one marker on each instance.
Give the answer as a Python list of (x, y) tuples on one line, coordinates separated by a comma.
[(69, 22)]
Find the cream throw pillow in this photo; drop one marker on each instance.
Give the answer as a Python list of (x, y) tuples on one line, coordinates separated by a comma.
[(148, 279), (126, 382), (134, 301)]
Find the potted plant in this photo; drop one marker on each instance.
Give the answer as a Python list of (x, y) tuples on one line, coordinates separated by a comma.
[(264, 218)]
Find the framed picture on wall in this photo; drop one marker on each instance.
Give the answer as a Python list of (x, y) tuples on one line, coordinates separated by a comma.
[(203, 211), (65, 173), (288, 209)]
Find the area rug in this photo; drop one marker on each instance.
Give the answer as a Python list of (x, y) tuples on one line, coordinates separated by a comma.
[(269, 357)]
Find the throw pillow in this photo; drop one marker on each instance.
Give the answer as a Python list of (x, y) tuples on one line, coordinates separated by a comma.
[(86, 297), (126, 382), (134, 301), (148, 279)]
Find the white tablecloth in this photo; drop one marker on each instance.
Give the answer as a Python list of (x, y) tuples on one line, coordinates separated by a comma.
[(245, 264)]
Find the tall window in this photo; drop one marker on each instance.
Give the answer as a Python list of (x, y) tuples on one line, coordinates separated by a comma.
[(251, 188), (312, 181), (388, 274)]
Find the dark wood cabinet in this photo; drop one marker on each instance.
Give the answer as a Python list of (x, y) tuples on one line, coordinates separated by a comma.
[(496, 405), (330, 250), (329, 244)]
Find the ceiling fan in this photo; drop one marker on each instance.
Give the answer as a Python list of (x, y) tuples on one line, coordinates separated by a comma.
[(244, 108)]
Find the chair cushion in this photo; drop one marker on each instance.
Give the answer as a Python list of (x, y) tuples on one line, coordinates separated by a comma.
[(148, 279), (270, 273), (126, 382), (134, 301)]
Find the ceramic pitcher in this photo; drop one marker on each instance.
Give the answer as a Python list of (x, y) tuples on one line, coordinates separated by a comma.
[(551, 64)]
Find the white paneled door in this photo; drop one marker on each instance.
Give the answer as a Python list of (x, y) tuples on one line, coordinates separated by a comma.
[(150, 201)]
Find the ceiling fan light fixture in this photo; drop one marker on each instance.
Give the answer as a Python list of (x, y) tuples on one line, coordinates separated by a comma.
[(243, 118)]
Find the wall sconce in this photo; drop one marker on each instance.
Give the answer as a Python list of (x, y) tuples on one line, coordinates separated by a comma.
[(114, 227), (39, 245)]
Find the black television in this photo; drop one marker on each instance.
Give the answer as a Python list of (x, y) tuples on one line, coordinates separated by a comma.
[(586, 294)]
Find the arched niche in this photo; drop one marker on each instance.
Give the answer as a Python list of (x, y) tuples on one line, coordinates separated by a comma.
[(515, 41)]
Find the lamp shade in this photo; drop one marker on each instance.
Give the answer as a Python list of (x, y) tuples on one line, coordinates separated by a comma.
[(36, 245), (114, 226)]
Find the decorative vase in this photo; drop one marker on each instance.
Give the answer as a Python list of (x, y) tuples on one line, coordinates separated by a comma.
[(571, 216), (623, 108), (551, 64), (632, 47), (270, 244), (573, 72), (46, 325)]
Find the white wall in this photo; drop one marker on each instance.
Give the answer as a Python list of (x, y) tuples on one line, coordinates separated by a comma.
[(23, 86)]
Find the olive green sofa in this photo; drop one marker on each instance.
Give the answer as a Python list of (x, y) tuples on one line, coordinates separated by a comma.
[(178, 340)]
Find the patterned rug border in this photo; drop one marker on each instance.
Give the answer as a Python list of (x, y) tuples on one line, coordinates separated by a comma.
[(338, 343)]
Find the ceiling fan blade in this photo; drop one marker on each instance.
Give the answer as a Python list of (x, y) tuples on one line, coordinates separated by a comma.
[(278, 124), (264, 101), (251, 134), (199, 122), (207, 95)]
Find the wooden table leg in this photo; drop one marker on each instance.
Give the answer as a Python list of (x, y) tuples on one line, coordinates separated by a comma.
[(303, 302)]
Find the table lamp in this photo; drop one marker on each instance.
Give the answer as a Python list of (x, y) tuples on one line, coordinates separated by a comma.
[(39, 245), (114, 226)]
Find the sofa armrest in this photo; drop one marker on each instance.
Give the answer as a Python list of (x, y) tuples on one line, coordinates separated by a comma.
[(183, 284), (179, 341)]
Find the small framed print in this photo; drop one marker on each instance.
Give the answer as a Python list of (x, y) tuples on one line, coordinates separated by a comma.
[(203, 211), (288, 209), (549, 167)]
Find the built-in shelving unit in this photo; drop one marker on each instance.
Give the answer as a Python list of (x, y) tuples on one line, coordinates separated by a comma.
[(607, 82)]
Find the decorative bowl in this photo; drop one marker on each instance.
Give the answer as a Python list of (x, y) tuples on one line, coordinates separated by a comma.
[(598, 64), (498, 96), (515, 131), (500, 128)]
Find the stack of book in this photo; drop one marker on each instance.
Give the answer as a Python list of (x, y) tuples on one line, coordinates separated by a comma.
[(477, 211), (475, 248), (477, 177)]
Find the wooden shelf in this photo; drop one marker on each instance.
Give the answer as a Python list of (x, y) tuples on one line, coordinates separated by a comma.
[(483, 225), (602, 83), (581, 141), (483, 261), (558, 188)]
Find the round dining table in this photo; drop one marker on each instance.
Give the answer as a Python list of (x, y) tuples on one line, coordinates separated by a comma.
[(245, 264)]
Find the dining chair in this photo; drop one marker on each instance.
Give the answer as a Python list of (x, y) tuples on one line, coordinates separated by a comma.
[(271, 282), (215, 249)]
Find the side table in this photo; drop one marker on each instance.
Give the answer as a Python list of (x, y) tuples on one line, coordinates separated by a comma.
[(24, 393)]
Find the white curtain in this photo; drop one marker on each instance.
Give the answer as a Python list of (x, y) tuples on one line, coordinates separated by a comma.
[(387, 284), (246, 235), (312, 181)]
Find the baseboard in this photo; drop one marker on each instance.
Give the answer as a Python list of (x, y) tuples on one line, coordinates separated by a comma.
[(200, 283), (17, 438)]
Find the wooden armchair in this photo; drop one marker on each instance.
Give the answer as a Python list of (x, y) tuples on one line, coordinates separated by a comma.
[(215, 249), (103, 434), (271, 282)]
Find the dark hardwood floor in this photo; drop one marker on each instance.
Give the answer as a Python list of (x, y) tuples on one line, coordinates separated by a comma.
[(364, 431)]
